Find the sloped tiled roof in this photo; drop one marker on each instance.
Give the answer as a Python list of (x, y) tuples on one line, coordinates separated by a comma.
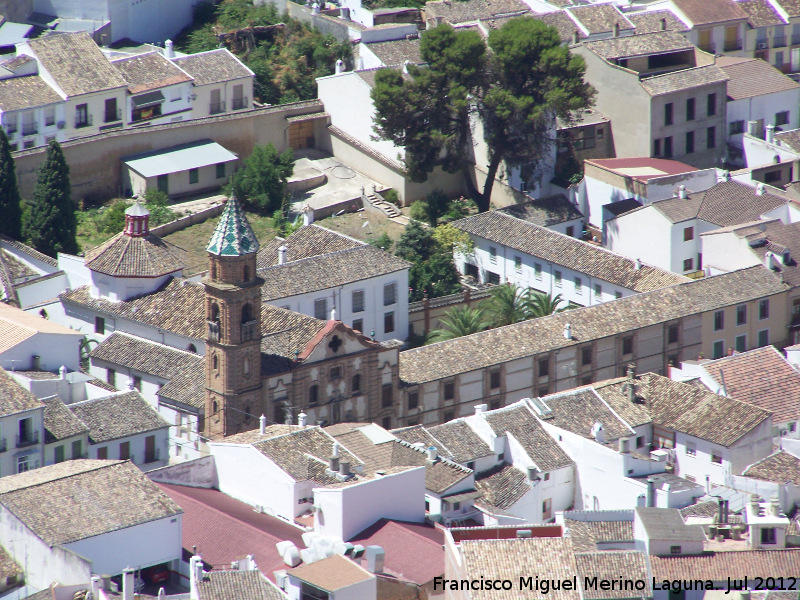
[(308, 241), (60, 422), (471, 10), (78, 499), (718, 566), (149, 71), (682, 407), (778, 238), (599, 18), (546, 334), (419, 434), (396, 52), (13, 397), (233, 235), (578, 410), (701, 509), (650, 21), (754, 77), (566, 27), (76, 63), (685, 79), (547, 211), (127, 256), (333, 573), (760, 377), (144, 355), (792, 7), (214, 66), (17, 93), (780, 467), (8, 567), (459, 439), (519, 422), (586, 535), (608, 566), (659, 42), (707, 12), (527, 237), (236, 585), (760, 13), (187, 387), (118, 416), (501, 486)]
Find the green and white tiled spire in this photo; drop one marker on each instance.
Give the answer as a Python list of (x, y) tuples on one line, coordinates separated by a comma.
[(233, 235)]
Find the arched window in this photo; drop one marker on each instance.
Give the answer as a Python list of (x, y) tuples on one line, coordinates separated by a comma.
[(192, 348), (214, 407), (214, 361), (215, 312), (247, 313)]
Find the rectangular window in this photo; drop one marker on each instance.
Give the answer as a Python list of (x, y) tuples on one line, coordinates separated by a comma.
[(741, 314), (688, 234), (494, 380), (387, 397), (598, 290), (763, 309), (82, 115), (736, 127), (718, 349), (672, 334), (688, 264), (716, 457), (657, 147), (674, 549), (356, 385), (111, 377), (711, 105), (125, 451), (668, 113), (781, 118), (557, 278), (60, 455), (544, 367), (102, 453), (194, 175), (388, 322), (386, 422), (741, 343), (335, 373), (768, 535), (492, 278), (711, 138), (571, 231), (22, 464), (617, 295), (689, 142), (779, 59), (413, 400), (449, 390), (111, 112), (518, 264), (313, 394), (492, 254), (99, 325), (691, 449), (578, 286), (358, 325), (690, 109), (668, 147), (321, 309), (220, 170), (358, 301), (763, 338), (537, 271), (719, 320), (389, 294), (77, 449), (586, 356), (137, 383), (627, 345)]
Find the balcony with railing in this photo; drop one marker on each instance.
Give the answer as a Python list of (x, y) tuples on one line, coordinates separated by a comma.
[(83, 121), (213, 331), (240, 103), (779, 41), (216, 108), (113, 115), (250, 331), (710, 47), (29, 439), (3, 445), (731, 45)]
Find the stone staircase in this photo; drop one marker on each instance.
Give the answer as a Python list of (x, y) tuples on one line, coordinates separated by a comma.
[(385, 207)]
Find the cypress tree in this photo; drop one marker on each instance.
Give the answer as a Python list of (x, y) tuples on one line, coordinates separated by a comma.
[(51, 224), (10, 209)]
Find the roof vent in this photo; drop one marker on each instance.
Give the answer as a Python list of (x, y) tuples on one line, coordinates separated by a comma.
[(262, 424), (567, 331), (433, 454), (663, 24), (637, 264), (598, 432), (760, 189), (375, 558), (682, 191), (282, 255), (301, 419), (533, 474), (480, 408)]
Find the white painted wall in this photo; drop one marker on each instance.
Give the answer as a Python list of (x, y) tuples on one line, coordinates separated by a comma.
[(118, 289), (363, 590), (42, 289), (9, 429), (54, 350), (764, 107), (758, 152)]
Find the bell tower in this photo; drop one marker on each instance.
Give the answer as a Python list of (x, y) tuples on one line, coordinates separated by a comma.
[(233, 335)]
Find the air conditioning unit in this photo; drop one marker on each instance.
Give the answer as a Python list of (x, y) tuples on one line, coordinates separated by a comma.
[(761, 45), (62, 124)]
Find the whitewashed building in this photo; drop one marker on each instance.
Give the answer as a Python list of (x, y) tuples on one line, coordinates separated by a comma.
[(31, 342)]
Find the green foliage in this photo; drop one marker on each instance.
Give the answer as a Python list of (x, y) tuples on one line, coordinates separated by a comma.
[(112, 218), (285, 61), (432, 271), (261, 182), (517, 91), (451, 239), (383, 241), (10, 204), (391, 196), (437, 208), (506, 305), (540, 304), (51, 224), (457, 322)]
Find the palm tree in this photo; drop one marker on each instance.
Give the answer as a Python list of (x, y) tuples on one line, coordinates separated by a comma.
[(506, 305), (540, 304), (457, 322)]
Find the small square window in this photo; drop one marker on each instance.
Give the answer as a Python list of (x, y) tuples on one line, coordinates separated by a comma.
[(688, 264), (674, 549), (220, 170), (194, 176), (627, 345), (763, 338), (688, 234), (768, 535), (335, 373), (413, 400), (449, 390), (494, 380), (547, 477), (99, 325), (544, 367), (598, 290), (640, 441), (617, 295), (557, 278), (492, 254), (690, 449), (358, 325), (716, 457), (741, 343)]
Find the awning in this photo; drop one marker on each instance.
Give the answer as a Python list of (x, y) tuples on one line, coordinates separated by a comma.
[(148, 99)]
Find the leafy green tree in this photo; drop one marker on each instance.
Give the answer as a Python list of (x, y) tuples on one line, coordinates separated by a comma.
[(416, 243), (261, 182), (507, 304), (432, 271), (383, 241), (451, 239), (51, 224), (10, 205), (517, 91), (457, 322), (540, 304)]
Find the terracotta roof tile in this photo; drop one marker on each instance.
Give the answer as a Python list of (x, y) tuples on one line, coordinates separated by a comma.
[(701, 509), (792, 7), (586, 535), (236, 585), (144, 355), (609, 566), (149, 71), (650, 21), (639, 45), (17, 93), (706, 12), (187, 387), (332, 573), (567, 28), (13, 397), (760, 13), (118, 416), (472, 10), (308, 241), (751, 78), (214, 66), (600, 18), (547, 211), (397, 52), (419, 434), (460, 440), (8, 568), (684, 79), (502, 487), (780, 467), (718, 566), (578, 410), (60, 422)]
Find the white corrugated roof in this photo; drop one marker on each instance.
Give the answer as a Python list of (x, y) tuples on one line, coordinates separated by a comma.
[(178, 158)]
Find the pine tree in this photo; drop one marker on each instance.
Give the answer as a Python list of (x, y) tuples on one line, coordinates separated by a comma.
[(10, 209), (51, 225)]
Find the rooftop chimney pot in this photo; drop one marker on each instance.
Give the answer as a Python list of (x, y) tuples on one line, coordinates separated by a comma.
[(262, 424)]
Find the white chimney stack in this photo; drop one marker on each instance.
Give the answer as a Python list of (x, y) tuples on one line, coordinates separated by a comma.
[(301, 419), (682, 191), (339, 66), (195, 575), (433, 454), (333, 314), (770, 133), (637, 264), (598, 432), (95, 587), (480, 408), (282, 255), (315, 9), (262, 424), (335, 451), (169, 49), (760, 189), (567, 331), (127, 584)]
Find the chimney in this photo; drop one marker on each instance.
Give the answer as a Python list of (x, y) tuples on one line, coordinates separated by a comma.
[(195, 575), (339, 66), (770, 139), (663, 24), (62, 372), (567, 331), (533, 474), (576, 37), (726, 175), (651, 492), (725, 511), (95, 587), (308, 216), (36, 363), (405, 68), (682, 191), (315, 9), (127, 584), (480, 408), (598, 432), (760, 189), (169, 50), (334, 459), (344, 468), (616, 30), (432, 454), (282, 255), (301, 419), (637, 264), (333, 314), (262, 424), (752, 129), (375, 558), (624, 445), (775, 506), (721, 511)]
